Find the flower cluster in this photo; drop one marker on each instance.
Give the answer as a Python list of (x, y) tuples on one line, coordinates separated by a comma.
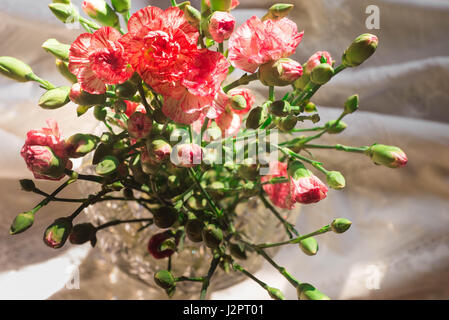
[(183, 140)]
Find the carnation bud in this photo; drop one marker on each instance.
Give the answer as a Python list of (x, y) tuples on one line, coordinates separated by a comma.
[(275, 294), (282, 72), (154, 245), (126, 90), (316, 59), (121, 6), (280, 108), (340, 225), (322, 73), (308, 292), (287, 124), (55, 98), (164, 279), (81, 233), (238, 102), (15, 69), (56, 48), (119, 106), (238, 251), (221, 25), (165, 217), (297, 170), (220, 5), (80, 144), (84, 98), (248, 170), (41, 160), (63, 68), (80, 110), (100, 113), (194, 229), (192, 15), (107, 166), (335, 180), (27, 185), (139, 125), (67, 13), (361, 49), (309, 246), (389, 156), (278, 11), (187, 155), (22, 222), (100, 11), (159, 149), (57, 233), (334, 126), (310, 107), (352, 104), (212, 236), (256, 118)]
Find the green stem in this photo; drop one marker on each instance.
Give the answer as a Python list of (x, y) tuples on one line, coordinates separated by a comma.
[(338, 147), (271, 95), (308, 129), (289, 228), (193, 279), (206, 281), (245, 79), (250, 275), (212, 204), (88, 202), (318, 165), (173, 3), (145, 103), (295, 240), (221, 47), (117, 222)]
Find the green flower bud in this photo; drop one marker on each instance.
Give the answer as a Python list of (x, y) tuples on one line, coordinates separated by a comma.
[(212, 236), (194, 229), (80, 144), (389, 156), (309, 246), (361, 49), (287, 124), (334, 127), (308, 292), (55, 98), (84, 98), (256, 118), (297, 170), (81, 233), (119, 106), (126, 90), (63, 68), (57, 233), (128, 193), (107, 166), (67, 13), (100, 11), (80, 110), (192, 15), (165, 217), (182, 5), (340, 225), (238, 102), (280, 108), (22, 222), (238, 251), (27, 185), (310, 107), (100, 113), (322, 73), (102, 151), (275, 294), (56, 48), (278, 11), (15, 69), (335, 180), (352, 104), (220, 5), (302, 82), (164, 279), (121, 6)]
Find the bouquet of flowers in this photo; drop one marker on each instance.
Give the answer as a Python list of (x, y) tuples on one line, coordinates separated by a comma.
[(182, 141)]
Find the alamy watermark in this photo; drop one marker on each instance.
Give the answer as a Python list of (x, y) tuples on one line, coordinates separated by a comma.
[(373, 19)]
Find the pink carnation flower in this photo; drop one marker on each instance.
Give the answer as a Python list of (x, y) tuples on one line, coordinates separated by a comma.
[(229, 123), (308, 190), (255, 42), (44, 152), (315, 60), (221, 26), (188, 155), (139, 125), (99, 59), (280, 193)]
